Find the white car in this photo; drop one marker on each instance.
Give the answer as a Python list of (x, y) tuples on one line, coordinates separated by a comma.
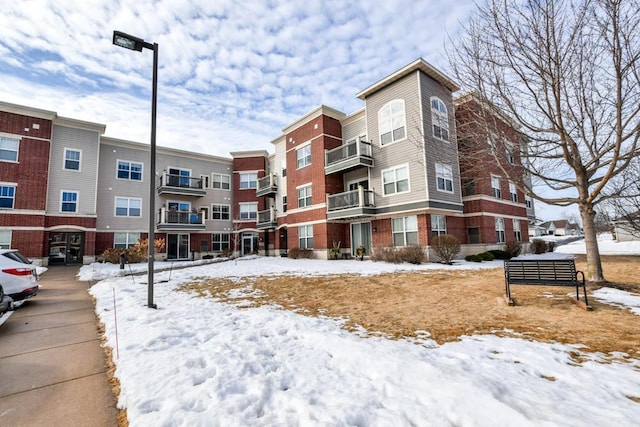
[(18, 276)]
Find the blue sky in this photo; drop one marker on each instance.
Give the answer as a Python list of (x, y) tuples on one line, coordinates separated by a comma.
[(231, 74)]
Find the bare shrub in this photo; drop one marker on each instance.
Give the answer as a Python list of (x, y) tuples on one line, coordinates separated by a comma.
[(446, 247), (385, 254), (513, 248), (538, 246), (298, 253), (413, 254), (133, 254)]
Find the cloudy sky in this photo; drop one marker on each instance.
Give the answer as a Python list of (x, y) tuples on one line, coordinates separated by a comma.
[(231, 74)]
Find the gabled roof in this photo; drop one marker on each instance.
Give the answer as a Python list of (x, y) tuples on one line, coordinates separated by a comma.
[(418, 64)]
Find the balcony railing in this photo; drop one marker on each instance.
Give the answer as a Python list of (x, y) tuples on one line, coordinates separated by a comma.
[(183, 185), (180, 220), (352, 155), (267, 219), (350, 204), (267, 186)]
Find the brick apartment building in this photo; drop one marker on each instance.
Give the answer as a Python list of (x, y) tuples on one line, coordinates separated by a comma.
[(386, 175)]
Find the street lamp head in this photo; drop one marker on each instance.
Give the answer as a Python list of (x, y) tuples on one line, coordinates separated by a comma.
[(128, 42)]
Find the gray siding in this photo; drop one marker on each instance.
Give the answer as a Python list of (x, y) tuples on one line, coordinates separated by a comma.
[(407, 151), (84, 181), (436, 150), (354, 129)]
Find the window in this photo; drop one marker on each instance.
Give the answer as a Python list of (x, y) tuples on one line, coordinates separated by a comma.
[(125, 240), (248, 210), (468, 187), (510, 157), (303, 156), (500, 230), (405, 230), (179, 178), (220, 242), (474, 235), (5, 239), (248, 180), (391, 122), (495, 187), (284, 172), (513, 192), (305, 236), (220, 212), (395, 180), (7, 196), (444, 176), (71, 159), (284, 203), (129, 170), (220, 181), (304, 196), (205, 181), (69, 201), (438, 225), (439, 119), (126, 206), (9, 149), (528, 201), (516, 230)]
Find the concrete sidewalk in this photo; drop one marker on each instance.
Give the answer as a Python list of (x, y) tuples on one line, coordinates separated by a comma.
[(53, 371)]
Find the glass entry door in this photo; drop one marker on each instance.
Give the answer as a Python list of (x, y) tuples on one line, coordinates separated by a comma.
[(361, 236), (177, 246)]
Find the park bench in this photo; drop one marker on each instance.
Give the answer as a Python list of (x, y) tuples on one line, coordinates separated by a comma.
[(546, 272)]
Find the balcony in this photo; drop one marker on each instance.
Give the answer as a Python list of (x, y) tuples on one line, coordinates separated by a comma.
[(351, 204), (170, 220), (267, 219), (181, 185), (267, 186), (349, 156)]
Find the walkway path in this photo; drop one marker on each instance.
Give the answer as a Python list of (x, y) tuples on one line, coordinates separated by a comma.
[(52, 368)]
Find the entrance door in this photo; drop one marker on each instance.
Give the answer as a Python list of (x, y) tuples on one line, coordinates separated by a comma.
[(361, 236), (66, 248), (177, 246), (249, 244)]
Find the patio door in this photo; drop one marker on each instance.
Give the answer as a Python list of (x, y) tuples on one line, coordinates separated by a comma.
[(177, 246), (249, 244), (361, 235)]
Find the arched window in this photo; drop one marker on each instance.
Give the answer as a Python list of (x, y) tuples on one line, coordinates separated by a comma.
[(439, 118), (391, 122)]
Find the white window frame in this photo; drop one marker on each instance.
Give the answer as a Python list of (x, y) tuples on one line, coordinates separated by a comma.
[(305, 236), (8, 186), (129, 208), (500, 232), (248, 180), (5, 239), (303, 156), (204, 211), (495, 187), (438, 225), (64, 159), (517, 231), (528, 201), (220, 211), (63, 202), (405, 227), (218, 181), (444, 177), (248, 211), (439, 119), (391, 120), (129, 171), (305, 196), (217, 245), (513, 192), (130, 239), (510, 156), (395, 180), (4, 147)]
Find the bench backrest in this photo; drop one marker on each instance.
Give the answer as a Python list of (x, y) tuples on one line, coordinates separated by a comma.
[(553, 272)]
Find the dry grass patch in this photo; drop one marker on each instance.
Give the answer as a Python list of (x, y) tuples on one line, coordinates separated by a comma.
[(450, 304)]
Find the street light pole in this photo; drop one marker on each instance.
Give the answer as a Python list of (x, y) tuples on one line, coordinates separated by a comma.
[(134, 43)]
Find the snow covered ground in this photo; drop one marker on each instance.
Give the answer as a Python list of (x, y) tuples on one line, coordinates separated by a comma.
[(200, 362)]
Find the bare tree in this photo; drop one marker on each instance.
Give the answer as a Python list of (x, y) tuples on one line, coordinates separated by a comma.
[(623, 205), (567, 74)]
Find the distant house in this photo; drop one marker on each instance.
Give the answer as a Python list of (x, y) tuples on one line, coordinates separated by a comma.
[(560, 227), (624, 228), (536, 229)]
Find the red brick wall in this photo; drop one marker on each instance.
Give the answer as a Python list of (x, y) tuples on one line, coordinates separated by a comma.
[(30, 243)]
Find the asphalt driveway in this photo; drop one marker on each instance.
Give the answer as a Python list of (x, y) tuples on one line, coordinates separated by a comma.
[(52, 369)]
